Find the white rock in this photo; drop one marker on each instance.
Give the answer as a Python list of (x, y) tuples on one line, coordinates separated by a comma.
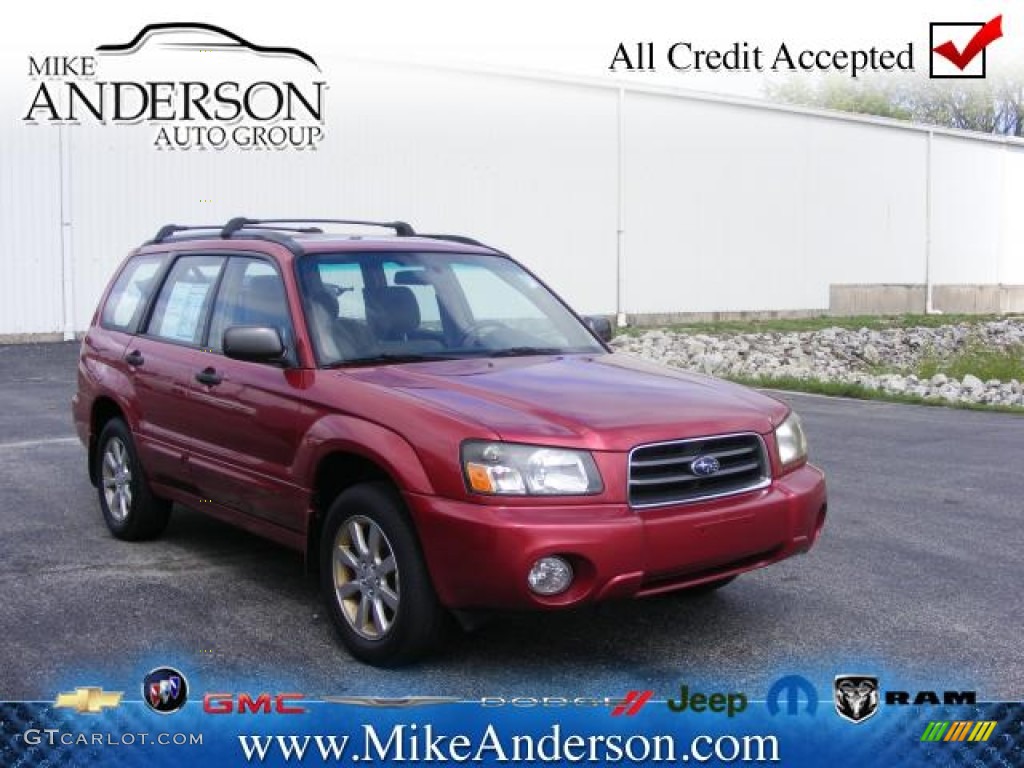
[(972, 382), (837, 354)]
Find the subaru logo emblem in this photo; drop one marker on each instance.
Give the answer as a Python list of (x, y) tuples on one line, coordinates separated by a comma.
[(705, 466)]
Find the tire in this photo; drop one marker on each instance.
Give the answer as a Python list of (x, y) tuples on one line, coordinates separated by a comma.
[(374, 578), (708, 587), (130, 509)]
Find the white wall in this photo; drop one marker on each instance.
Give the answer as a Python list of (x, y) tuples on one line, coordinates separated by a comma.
[(968, 213), (726, 206), (30, 231), (733, 208)]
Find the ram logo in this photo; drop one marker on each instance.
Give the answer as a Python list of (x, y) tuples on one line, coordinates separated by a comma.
[(856, 697)]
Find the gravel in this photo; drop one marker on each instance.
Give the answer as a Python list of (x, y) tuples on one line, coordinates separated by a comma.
[(881, 360)]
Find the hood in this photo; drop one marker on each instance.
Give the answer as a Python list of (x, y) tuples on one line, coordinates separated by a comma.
[(601, 402)]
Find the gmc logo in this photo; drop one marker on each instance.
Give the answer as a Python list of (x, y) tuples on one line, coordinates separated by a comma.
[(265, 703)]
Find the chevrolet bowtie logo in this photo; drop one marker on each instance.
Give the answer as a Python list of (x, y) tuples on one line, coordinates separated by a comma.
[(91, 699)]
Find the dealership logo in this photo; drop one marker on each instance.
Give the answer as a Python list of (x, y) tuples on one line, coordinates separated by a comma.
[(856, 697), (88, 700), (225, 40), (632, 704), (961, 730), (242, 703), (730, 703), (949, 698), (629, 705), (397, 702), (958, 49), (165, 690), (255, 108), (792, 688)]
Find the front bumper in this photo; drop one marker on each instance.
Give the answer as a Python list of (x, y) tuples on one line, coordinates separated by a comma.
[(479, 555)]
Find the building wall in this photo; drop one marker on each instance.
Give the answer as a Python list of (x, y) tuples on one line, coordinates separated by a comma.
[(724, 206)]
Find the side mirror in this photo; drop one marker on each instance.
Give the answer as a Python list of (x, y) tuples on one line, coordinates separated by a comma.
[(600, 325), (255, 343)]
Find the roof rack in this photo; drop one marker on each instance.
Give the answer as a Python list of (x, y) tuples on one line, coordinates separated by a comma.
[(463, 240), (300, 230), (169, 229), (270, 229), (402, 229)]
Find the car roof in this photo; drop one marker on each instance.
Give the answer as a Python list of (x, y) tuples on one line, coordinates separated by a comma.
[(320, 243), (310, 240)]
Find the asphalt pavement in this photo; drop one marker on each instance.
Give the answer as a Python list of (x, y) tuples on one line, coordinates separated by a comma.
[(917, 578)]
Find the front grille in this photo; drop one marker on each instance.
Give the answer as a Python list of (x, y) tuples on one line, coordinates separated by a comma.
[(662, 473)]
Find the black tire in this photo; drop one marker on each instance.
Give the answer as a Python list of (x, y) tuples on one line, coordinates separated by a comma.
[(130, 509), (708, 587), (385, 617)]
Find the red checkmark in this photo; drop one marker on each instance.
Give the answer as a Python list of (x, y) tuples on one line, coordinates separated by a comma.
[(989, 33)]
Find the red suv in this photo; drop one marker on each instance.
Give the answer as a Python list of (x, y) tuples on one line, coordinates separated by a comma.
[(429, 424)]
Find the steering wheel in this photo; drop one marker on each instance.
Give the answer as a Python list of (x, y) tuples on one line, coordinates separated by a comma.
[(475, 332)]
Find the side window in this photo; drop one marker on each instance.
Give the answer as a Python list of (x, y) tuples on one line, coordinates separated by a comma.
[(131, 292), (185, 298), (251, 293)]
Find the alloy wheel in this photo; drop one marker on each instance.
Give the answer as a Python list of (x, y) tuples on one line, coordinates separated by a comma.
[(365, 577), (116, 473)]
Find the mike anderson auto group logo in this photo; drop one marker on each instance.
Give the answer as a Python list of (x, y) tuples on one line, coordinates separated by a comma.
[(263, 97)]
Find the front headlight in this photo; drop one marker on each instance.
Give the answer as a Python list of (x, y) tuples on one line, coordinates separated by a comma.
[(791, 440), (516, 469)]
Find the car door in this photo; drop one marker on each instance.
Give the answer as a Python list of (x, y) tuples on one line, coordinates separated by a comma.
[(244, 413), (162, 360)]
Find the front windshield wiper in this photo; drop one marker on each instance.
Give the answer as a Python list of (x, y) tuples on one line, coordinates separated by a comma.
[(386, 357), (524, 351)]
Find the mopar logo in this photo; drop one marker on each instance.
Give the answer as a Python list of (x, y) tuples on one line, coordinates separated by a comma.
[(705, 466), (791, 689)]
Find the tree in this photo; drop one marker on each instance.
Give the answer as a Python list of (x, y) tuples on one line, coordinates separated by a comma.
[(995, 105)]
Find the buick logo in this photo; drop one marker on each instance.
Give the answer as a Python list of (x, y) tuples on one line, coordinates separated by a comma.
[(705, 466), (165, 690)]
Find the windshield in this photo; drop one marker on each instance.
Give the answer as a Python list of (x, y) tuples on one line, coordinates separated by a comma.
[(403, 307)]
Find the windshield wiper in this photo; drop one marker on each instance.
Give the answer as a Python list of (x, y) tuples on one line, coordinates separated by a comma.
[(386, 357), (524, 351)]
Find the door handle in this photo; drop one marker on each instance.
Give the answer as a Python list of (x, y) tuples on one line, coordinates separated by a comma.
[(210, 377), (134, 358)]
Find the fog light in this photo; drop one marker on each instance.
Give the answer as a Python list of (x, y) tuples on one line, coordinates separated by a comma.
[(550, 576)]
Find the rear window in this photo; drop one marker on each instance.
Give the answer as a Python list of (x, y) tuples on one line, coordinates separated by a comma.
[(131, 292)]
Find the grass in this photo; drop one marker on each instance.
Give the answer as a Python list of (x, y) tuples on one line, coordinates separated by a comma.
[(1003, 363), (800, 324), (859, 392), (985, 362)]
